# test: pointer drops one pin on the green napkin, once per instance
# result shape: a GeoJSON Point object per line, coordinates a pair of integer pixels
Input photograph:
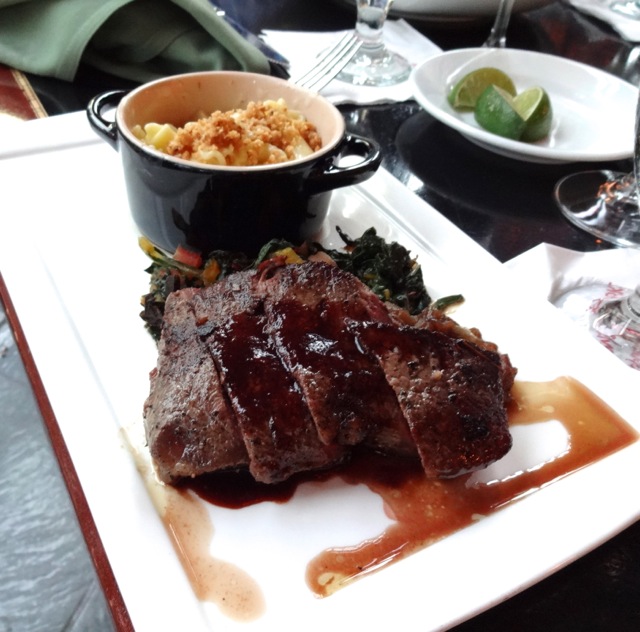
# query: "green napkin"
{"type": "Point", "coordinates": [138, 40]}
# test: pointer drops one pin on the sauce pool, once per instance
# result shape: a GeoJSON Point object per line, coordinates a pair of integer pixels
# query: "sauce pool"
{"type": "Point", "coordinates": [423, 510]}
{"type": "Point", "coordinates": [428, 510]}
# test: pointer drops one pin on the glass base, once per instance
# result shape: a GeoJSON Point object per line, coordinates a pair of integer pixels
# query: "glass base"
{"type": "Point", "coordinates": [616, 324]}
{"type": "Point", "coordinates": [379, 67]}
{"type": "Point", "coordinates": [611, 314]}
{"type": "Point", "coordinates": [602, 203]}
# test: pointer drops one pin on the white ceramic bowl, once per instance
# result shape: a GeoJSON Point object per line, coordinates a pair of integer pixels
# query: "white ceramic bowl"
{"type": "Point", "coordinates": [460, 8]}
{"type": "Point", "coordinates": [593, 111]}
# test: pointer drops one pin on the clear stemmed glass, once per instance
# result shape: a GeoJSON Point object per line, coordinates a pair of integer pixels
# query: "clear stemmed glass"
{"type": "Point", "coordinates": [607, 204]}
{"type": "Point", "coordinates": [374, 64]}
{"type": "Point", "coordinates": [610, 313]}
{"type": "Point", "coordinates": [616, 323]}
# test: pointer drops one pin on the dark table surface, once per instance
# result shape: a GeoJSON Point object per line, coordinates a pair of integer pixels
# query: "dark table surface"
{"type": "Point", "coordinates": [503, 204]}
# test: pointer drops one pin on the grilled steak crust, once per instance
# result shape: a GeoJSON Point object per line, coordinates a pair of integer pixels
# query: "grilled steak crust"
{"type": "Point", "coordinates": [190, 426]}
{"type": "Point", "coordinates": [450, 391]}
{"type": "Point", "coordinates": [285, 369]}
{"type": "Point", "coordinates": [436, 320]}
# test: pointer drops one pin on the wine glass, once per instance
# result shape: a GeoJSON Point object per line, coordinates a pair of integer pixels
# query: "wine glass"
{"type": "Point", "coordinates": [616, 324]}
{"type": "Point", "coordinates": [610, 313]}
{"type": "Point", "coordinates": [607, 204]}
{"type": "Point", "coordinates": [374, 64]}
{"type": "Point", "coordinates": [630, 8]}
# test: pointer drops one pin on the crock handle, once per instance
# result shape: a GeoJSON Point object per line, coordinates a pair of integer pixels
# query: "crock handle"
{"type": "Point", "coordinates": [106, 129]}
{"type": "Point", "coordinates": [332, 176]}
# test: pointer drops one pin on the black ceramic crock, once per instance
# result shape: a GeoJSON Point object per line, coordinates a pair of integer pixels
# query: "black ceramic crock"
{"type": "Point", "coordinates": [176, 202]}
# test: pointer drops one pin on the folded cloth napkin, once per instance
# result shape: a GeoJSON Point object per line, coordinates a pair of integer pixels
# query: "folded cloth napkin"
{"type": "Point", "coordinates": [303, 48]}
{"type": "Point", "coordinates": [139, 40]}
{"type": "Point", "coordinates": [627, 27]}
{"type": "Point", "coordinates": [550, 271]}
{"type": "Point", "coordinates": [578, 282]}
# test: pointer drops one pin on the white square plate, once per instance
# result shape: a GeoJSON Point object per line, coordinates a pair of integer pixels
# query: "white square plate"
{"type": "Point", "coordinates": [70, 260]}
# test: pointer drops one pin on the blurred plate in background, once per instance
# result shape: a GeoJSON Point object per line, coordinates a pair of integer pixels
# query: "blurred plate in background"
{"type": "Point", "coordinates": [593, 111]}
{"type": "Point", "coordinates": [460, 8]}
{"type": "Point", "coordinates": [453, 10]}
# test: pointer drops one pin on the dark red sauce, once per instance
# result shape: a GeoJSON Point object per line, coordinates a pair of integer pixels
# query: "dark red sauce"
{"type": "Point", "coordinates": [427, 510]}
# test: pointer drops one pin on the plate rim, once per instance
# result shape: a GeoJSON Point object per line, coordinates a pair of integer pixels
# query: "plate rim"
{"type": "Point", "coordinates": [459, 17]}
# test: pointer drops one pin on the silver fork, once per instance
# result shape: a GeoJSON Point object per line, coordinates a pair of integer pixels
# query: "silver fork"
{"type": "Point", "coordinates": [330, 63]}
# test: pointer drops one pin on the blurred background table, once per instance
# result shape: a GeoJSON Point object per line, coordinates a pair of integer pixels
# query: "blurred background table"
{"type": "Point", "coordinates": [504, 205]}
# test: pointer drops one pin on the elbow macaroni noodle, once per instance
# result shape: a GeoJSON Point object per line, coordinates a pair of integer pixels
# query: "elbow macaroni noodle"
{"type": "Point", "coordinates": [265, 132]}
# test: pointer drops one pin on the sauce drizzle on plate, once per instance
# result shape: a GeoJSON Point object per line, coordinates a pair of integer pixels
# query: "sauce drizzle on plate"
{"type": "Point", "coordinates": [424, 511]}
{"type": "Point", "coordinates": [428, 510]}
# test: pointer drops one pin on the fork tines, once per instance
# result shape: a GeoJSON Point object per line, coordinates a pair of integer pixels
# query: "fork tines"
{"type": "Point", "coordinates": [330, 63]}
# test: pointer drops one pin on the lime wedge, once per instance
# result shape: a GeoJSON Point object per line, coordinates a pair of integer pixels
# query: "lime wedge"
{"type": "Point", "coordinates": [495, 111]}
{"type": "Point", "coordinates": [534, 106]}
{"type": "Point", "coordinates": [465, 93]}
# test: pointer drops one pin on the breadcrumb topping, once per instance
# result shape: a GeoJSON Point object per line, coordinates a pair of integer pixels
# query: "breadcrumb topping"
{"type": "Point", "coordinates": [265, 132]}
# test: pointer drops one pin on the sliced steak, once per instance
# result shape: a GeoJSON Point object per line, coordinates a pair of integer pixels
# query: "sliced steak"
{"type": "Point", "coordinates": [347, 393]}
{"type": "Point", "coordinates": [437, 320]}
{"type": "Point", "coordinates": [285, 369]}
{"type": "Point", "coordinates": [450, 391]}
{"type": "Point", "coordinates": [277, 428]}
{"type": "Point", "coordinates": [190, 426]}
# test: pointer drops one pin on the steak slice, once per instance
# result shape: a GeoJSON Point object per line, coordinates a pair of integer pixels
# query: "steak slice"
{"type": "Point", "coordinates": [190, 426]}
{"type": "Point", "coordinates": [347, 393]}
{"type": "Point", "coordinates": [450, 391]}
{"type": "Point", "coordinates": [437, 320]}
{"type": "Point", "coordinates": [277, 428]}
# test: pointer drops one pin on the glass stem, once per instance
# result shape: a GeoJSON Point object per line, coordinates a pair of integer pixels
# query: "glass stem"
{"type": "Point", "coordinates": [374, 64]}
{"type": "Point", "coordinates": [630, 309]}
{"type": "Point", "coordinates": [617, 325]}
{"type": "Point", "coordinates": [369, 24]}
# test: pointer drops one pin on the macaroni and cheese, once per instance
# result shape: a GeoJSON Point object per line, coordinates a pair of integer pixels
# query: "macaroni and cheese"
{"type": "Point", "coordinates": [265, 132]}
